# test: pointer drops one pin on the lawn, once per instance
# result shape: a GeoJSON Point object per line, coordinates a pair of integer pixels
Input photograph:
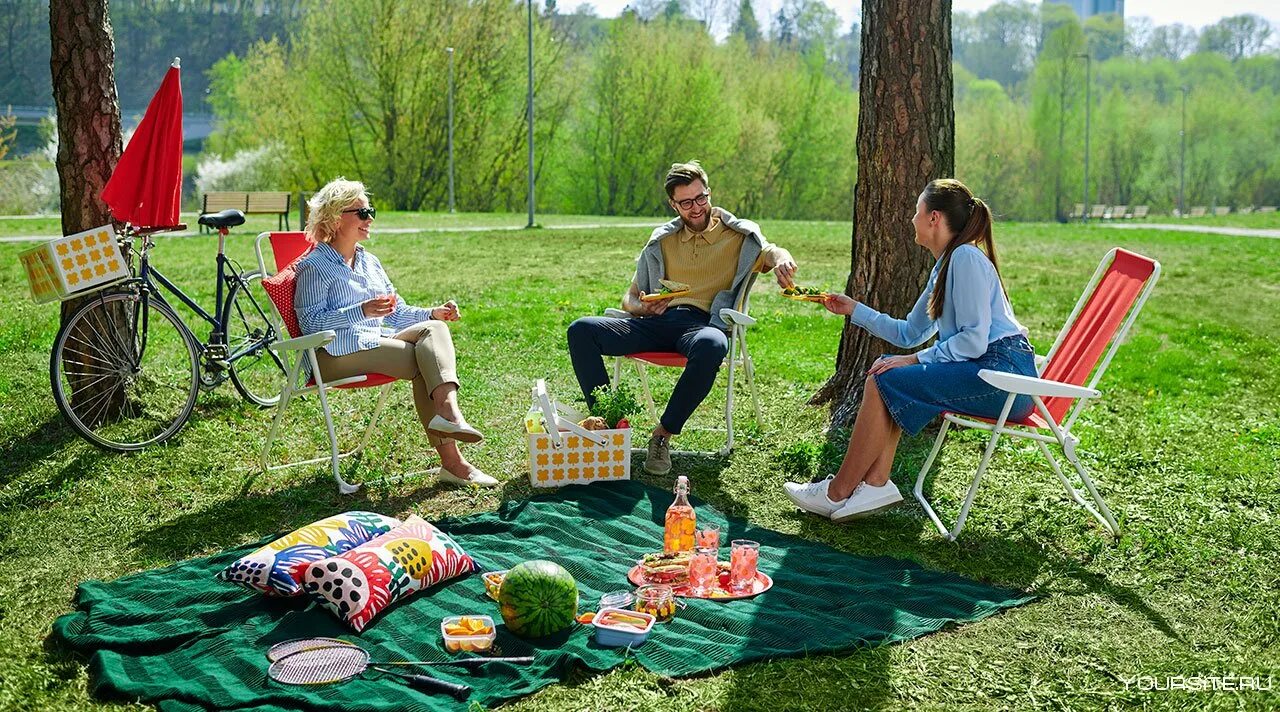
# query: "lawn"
{"type": "Point", "coordinates": [1185, 447]}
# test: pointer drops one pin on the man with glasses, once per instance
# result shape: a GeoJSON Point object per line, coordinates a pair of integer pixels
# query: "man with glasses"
{"type": "Point", "coordinates": [712, 252]}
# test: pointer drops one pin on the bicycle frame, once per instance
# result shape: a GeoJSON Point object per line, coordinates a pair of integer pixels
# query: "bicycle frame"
{"type": "Point", "coordinates": [148, 277]}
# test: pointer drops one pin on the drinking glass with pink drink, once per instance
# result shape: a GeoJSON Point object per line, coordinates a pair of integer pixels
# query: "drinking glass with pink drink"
{"type": "Point", "coordinates": [742, 565]}
{"type": "Point", "coordinates": [703, 574]}
{"type": "Point", "coordinates": [707, 536]}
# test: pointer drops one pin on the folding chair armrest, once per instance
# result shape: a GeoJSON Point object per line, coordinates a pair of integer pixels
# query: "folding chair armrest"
{"type": "Point", "coordinates": [302, 343]}
{"type": "Point", "coordinates": [616, 313]}
{"type": "Point", "coordinates": [733, 316]}
{"type": "Point", "coordinates": [1031, 386]}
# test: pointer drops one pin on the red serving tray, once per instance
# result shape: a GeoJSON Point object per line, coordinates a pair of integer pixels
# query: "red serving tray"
{"type": "Point", "coordinates": [763, 583]}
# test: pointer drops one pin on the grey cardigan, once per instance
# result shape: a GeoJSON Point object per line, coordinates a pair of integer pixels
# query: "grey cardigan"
{"type": "Point", "coordinates": [650, 267]}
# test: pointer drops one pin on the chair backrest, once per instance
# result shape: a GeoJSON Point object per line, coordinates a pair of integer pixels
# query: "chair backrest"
{"type": "Point", "coordinates": [286, 249]}
{"type": "Point", "coordinates": [1118, 289]}
{"type": "Point", "coordinates": [743, 302]}
{"type": "Point", "coordinates": [1140, 211]}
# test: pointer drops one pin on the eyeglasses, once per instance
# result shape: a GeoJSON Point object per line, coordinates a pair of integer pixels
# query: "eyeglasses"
{"type": "Point", "coordinates": [363, 213]}
{"type": "Point", "coordinates": [699, 200]}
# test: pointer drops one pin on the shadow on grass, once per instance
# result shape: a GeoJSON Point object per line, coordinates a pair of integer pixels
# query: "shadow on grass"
{"type": "Point", "coordinates": [28, 451]}
{"type": "Point", "coordinates": [252, 515]}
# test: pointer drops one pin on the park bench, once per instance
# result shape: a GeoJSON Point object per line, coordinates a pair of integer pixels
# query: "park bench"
{"type": "Point", "coordinates": [1140, 212]}
{"type": "Point", "coordinates": [1267, 209]}
{"type": "Point", "coordinates": [1098, 212]}
{"type": "Point", "coordinates": [1244, 209]}
{"type": "Point", "coordinates": [1077, 211]}
{"type": "Point", "coordinates": [252, 203]}
{"type": "Point", "coordinates": [1118, 212]}
{"type": "Point", "coordinates": [1197, 211]}
{"type": "Point", "coordinates": [1222, 210]}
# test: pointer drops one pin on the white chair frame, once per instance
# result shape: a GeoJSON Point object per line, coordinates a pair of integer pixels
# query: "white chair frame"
{"type": "Point", "coordinates": [739, 357]}
{"type": "Point", "coordinates": [1039, 388]}
{"type": "Point", "coordinates": [293, 351]}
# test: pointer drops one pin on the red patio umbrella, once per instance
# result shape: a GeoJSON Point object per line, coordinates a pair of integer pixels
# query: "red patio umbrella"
{"type": "Point", "coordinates": [145, 189]}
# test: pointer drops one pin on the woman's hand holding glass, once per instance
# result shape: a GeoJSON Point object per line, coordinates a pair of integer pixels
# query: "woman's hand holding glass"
{"type": "Point", "coordinates": [839, 304]}
{"type": "Point", "coordinates": [446, 312]}
{"type": "Point", "coordinates": [379, 306]}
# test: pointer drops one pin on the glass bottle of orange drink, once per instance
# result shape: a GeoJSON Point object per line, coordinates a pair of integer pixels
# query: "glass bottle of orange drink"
{"type": "Point", "coordinates": [681, 522]}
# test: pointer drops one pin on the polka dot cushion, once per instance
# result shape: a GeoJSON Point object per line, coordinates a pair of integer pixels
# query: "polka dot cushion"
{"type": "Point", "coordinates": [358, 585]}
{"type": "Point", "coordinates": [276, 569]}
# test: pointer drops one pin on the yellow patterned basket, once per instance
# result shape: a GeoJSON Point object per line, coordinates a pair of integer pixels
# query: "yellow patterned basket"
{"type": "Point", "coordinates": [568, 453]}
{"type": "Point", "coordinates": [68, 266]}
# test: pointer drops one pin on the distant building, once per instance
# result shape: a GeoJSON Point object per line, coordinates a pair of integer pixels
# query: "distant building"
{"type": "Point", "coordinates": [1089, 8]}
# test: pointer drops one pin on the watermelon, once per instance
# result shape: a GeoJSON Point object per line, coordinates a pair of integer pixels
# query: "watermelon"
{"type": "Point", "coordinates": [538, 598]}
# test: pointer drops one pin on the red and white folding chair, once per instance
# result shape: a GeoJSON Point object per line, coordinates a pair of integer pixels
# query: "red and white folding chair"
{"type": "Point", "coordinates": [1094, 331]}
{"type": "Point", "coordinates": [737, 358]}
{"type": "Point", "coordinates": [287, 248]}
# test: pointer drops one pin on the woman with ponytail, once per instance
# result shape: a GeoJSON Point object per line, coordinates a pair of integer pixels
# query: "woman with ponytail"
{"type": "Point", "coordinates": [965, 304]}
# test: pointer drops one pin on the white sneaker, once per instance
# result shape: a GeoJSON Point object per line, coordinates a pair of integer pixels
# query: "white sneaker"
{"type": "Point", "coordinates": [475, 477]}
{"type": "Point", "coordinates": [868, 499]}
{"type": "Point", "coordinates": [812, 497]}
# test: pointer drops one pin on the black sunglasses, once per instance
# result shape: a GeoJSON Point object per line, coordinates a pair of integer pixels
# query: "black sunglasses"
{"type": "Point", "coordinates": [363, 213]}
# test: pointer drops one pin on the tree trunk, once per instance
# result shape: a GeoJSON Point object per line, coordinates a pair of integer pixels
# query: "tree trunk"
{"type": "Point", "coordinates": [906, 138]}
{"type": "Point", "coordinates": [82, 52]}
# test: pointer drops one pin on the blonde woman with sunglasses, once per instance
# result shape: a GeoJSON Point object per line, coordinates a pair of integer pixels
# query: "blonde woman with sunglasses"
{"type": "Point", "coordinates": [342, 286]}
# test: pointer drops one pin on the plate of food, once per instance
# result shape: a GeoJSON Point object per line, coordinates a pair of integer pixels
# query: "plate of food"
{"type": "Point", "coordinates": [649, 571]}
{"type": "Point", "coordinates": [804, 294]}
{"type": "Point", "coordinates": [670, 290]}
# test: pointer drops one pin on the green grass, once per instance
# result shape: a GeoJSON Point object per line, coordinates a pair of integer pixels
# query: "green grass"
{"type": "Point", "coordinates": [1185, 446]}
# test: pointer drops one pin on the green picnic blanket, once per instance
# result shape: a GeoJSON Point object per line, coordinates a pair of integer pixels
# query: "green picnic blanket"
{"type": "Point", "coordinates": [177, 638]}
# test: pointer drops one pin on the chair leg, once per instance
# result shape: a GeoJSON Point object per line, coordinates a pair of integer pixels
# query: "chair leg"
{"type": "Point", "coordinates": [728, 396]}
{"type": "Point", "coordinates": [977, 476]}
{"type": "Point", "coordinates": [285, 397]}
{"type": "Point", "coordinates": [749, 372]}
{"type": "Point", "coordinates": [1102, 513]}
{"type": "Point", "coordinates": [617, 372]}
{"type": "Point", "coordinates": [648, 394]}
{"type": "Point", "coordinates": [373, 421]}
{"type": "Point", "coordinates": [344, 487]}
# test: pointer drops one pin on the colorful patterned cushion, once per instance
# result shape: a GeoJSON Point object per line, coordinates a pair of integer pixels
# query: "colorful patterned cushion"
{"type": "Point", "coordinates": [360, 584]}
{"type": "Point", "coordinates": [276, 569]}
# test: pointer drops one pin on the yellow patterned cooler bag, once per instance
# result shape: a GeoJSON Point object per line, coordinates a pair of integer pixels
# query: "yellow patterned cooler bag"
{"type": "Point", "coordinates": [67, 266]}
{"type": "Point", "coordinates": [568, 453]}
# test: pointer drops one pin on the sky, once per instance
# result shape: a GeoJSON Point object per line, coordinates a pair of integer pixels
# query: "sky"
{"type": "Point", "coordinates": [1196, 13]}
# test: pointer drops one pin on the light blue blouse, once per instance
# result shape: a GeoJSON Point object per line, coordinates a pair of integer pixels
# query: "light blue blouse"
{"type": "Point", "coordinates": [330, 295]}
{"type": "Point", "coordinates": [975, 313]}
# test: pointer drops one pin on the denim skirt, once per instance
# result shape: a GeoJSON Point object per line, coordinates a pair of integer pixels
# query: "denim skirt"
{"type": "Point", "coordinates": [918, 393]}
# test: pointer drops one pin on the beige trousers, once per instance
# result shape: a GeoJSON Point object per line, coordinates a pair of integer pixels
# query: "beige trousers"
{"type": "Point", "coordinates": [422, 353]}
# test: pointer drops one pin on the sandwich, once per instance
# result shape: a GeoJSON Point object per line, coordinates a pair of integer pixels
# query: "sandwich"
{"type": "Point", "coordinates": [661, 567]}
{"type": "Point", "coordinates": [671, 286]}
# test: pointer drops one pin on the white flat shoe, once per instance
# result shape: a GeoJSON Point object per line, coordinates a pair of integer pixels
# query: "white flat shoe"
{"type": "Point", "coordinates": [475, 477]}
{"type": "Point", "coordinates": [449, 430]}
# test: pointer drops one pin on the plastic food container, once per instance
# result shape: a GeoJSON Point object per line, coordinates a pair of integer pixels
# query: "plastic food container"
{"type": "Point", "coordinates": [617, 628]}
{"type": "Point", "coordinates": [468, 643]}
{"type": "Point", "coordinates": [492, 582]}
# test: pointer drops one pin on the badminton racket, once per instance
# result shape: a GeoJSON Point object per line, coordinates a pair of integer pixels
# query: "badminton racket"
{"type": "Point", "coordinates": [288, 647]}
{"type": "Point", "coordinates": [339, 663]}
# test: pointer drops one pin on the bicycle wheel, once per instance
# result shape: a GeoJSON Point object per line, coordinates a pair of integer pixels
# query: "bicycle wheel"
{"type": "Point", "coordinates": [125, 372]}
{"type": "Point", "coordinates": [256, 371]}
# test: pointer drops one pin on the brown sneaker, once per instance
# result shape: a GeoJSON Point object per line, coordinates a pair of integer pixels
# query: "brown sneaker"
{"type": "Point", "coordinates": [658, 461]}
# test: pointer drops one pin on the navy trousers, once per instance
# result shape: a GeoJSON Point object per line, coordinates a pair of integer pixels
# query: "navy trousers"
{"type": "Point", "coordinates": [683, 329]}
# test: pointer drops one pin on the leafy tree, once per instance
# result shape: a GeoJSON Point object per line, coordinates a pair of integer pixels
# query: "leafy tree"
{"type": "Point", "coordinates": [1236, 37]}
{"type": "Point", "coordinates": [1171, 42]}
{"type": "Point", "coordinates": [746, 26]}
{"type": "Point", "coordinates": [1057, 112]}
{"type": "Point", "coordinates": [999, 42]}
{"type": "Point", "coordinates": [993, 145]}
{"type": "Point", "coordinates": [1105, 36]}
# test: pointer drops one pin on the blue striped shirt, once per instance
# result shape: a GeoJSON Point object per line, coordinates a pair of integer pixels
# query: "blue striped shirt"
{"type": "Point", "coordinates": [975, 313]}
{"type": "Point", "coordinates": [330, 295]}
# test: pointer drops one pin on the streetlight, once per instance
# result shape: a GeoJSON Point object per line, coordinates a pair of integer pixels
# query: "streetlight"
{"type": "Point", "coordinates": [451, 203]}
{"type": "Point", "coordinates": [529, 111]}
{"type": "Point", "coordinates": [1182, 160]}
{"type": "Point", "coordinates": [1087, 64]}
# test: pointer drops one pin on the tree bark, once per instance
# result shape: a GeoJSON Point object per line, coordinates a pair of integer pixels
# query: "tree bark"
{"type": "Point", "coordinates": [82, 54]}
{"type": "Point", "coordinates": [906, 138]}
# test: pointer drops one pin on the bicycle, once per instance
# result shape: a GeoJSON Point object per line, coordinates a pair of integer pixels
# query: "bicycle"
{"type": "Point", "coordinates": [126, 370]}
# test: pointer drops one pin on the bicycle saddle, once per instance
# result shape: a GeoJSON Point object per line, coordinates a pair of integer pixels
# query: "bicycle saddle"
{"type": "Point", "coordinates": [226, 218]}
